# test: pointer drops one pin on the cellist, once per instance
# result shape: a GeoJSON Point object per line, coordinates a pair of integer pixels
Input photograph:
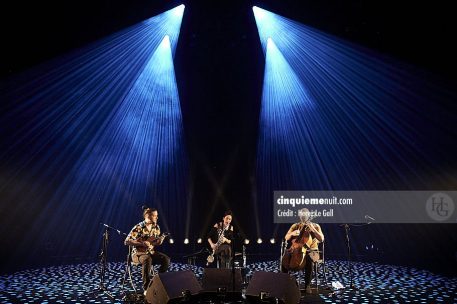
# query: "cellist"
{"type": "Point", "coordinates": [304, 237]}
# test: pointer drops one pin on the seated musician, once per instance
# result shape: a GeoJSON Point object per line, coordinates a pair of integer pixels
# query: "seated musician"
{"type": "Point", "coordinates": [220, 238]}
{"type": "Point", "coordinates": [305, 237]}
{"type": "Point", "coordinates": [144, 237]}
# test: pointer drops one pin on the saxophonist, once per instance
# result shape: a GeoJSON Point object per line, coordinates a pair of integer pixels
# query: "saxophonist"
{"type": "Point", "coordinates": [220, 238]}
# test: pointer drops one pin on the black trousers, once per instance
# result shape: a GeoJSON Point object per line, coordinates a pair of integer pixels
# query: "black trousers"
{"type": "Point", "coordinates": [225, 253]}
{"type": "Point", "coordinates": [308, 270]}
{"type": "Point", "coordinates": [147, 260]}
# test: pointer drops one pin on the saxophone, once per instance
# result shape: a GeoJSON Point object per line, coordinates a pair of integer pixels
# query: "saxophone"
{"type": "Point", "coordinates": [220, 240]}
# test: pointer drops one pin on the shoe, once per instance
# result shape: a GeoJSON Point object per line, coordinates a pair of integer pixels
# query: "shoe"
{"type": "Point", "coordinates": [308, 289]}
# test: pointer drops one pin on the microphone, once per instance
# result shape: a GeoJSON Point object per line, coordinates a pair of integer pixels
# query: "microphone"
{"type": "Point", "coordinates": [107, 226]}
{"type": "Point", "coordinates": [367, 217]}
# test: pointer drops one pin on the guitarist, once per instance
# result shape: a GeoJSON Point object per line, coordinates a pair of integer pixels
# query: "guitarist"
{"type": "Point", "coordinates": [144, 237]}
{"type": "Point", "coordinates": [311, 234]}
{"type": "Point", "coordinates": [223, 232]}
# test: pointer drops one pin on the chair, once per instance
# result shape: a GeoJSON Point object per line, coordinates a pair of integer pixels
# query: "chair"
{"type": "Point", "coordinates": [153, 272]}
{"type": "Point", "coordinates": [318, 257]}
{"type": "Point", "coordinates": [319, 262]}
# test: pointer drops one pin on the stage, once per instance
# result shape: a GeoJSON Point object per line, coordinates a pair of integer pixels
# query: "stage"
{"type": "Point", "coordinates": [233, 116]}
{"type": "Point", "coordinates": [375, 283]}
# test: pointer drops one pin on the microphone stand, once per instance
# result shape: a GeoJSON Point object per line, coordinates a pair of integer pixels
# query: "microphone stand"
{"type": "Point", "coordinates": [348, 244]}
{"type": "Point", "coordinates": [346, 230]}
{"type": "Point", "coordinates": [233, 263]}
{"type": "Point", "coordinates": [104, 258]}
{"type": "Point", "coordinates": [283, 251]}
{"type": "Point", "coordinates": [236, 236]}
{"type": "Point", "coordinates": [103, 262]}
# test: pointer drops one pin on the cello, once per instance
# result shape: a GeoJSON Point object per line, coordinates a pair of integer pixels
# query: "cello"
{"type": "Point", "coordinates": [294, 257]}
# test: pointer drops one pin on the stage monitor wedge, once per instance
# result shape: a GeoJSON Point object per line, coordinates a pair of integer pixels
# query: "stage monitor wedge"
{"type": "Point", "coordinates": [169, 287]}
{"type": "Point", "coordinates": [274, 285]}
{"type": "Point", "coordinates": [215, 279]}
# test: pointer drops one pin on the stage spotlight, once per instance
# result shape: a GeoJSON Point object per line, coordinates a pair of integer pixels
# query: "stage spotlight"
{"type": "Point", "coordinates": [267, 25]}
{"type": "Point", "coordinates": [259, 241]}
{"type": "Point", "coordinates": [199, 240]}
{"type": "Point", "coordinates": [171, 241]}
{"type": "Point", "coordinates": [186, 241]}
{"type": "Point", "coordinates": [258, 13]}
{"type": "Point", "coordinates": [272, 241]}
{"type": "Point", "coordinates": [179, 10]}
{"type": "Point", "coordinates": [246, 241]}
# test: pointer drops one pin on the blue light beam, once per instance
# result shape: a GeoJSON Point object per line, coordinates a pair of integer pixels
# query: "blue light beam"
{"type": "Point", "coordinates": [367, 118]}
{"type": "Point", "coordinates": [137, 157]}
{"type": "Point", "coordinates": [337, 116]}
{"type": "Point", "coordinates": [169, 23]}
{"type": "Point", "coordinates": [92, 136]}
{"type": "Point", "coordinates": [285, 143]}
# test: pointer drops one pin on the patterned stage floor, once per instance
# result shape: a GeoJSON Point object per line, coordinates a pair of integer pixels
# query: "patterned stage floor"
{"type": "Point", "coordinates": [374, 283]}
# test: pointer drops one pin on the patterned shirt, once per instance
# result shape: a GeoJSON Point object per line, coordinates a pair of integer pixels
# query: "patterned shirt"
{"type": "Point", "coordinates": [141, 232]}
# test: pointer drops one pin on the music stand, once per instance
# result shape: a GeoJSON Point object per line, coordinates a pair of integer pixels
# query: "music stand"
{"type": "Point", "coordinates": [191, 258]}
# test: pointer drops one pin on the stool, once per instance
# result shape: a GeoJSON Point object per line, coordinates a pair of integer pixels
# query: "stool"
{"type": "Point", "coordinates": [152, 273]}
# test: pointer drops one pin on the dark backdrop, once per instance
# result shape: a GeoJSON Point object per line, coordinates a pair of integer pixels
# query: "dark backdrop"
{"type": "Point", "coordinates": [219, 70]}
